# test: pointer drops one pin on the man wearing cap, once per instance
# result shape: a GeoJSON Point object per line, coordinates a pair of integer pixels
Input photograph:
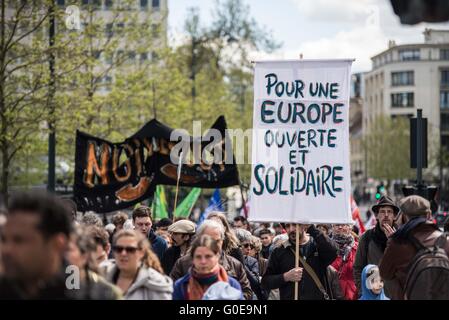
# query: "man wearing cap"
{"type": "Point", "coordinates": [400, 251]}
{"type": "Point", "coordinates": [181, 233]}
{"type": "Point", "coordinates": [373, 242]}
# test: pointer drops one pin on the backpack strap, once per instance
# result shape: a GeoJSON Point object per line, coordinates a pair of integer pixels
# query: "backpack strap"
{"type": "Point", "coordinates": [314, 277]}
{"type": "Point", "coordinates": [441, 241]}
{"type": "Point", "coordinates": [312, 274]}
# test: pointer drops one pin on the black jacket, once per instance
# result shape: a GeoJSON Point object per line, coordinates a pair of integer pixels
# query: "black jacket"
{"type": "Point", "coordinates": [169, 258]}
{"type": "Point", "coordinates": [158, 244]}
{"type": "Point", "coordinates": [319, 252]}
{"type": "Point", "coordinates": [253, 274]}
{"type": "Point", "coordinates": [266, 251]}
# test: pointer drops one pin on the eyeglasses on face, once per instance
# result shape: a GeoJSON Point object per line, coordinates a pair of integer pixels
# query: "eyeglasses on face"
{"type": "Point", "coordinates": [247, 245]}
{"type": "Point", "coordinates": [129, 250]}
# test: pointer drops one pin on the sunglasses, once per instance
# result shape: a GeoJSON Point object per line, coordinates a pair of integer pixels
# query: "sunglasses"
{"type": "Point", "coordinates": [247, 245]}
{"type": "Point", "coordinates": [129, 250]}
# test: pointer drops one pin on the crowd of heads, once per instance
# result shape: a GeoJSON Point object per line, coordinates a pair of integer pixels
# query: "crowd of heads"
{"type": "Point", "coordinates": [41, 235]}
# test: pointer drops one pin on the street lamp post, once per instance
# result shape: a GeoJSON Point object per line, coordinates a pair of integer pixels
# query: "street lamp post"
{"type": "Point", "coordinates": [51, 123]}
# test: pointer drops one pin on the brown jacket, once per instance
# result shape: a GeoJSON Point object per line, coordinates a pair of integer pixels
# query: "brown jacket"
{"type": "Point", "coordinates": [397, 256]}
{"type": "Point", "coordinates": [233, 267]}
{"type": "Point", "coordinates": [364, 257]}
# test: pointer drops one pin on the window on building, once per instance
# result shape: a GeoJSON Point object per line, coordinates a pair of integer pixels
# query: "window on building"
{"type": "Point", "coordinates": [444, 99]}
{"type": "Point", "coordinates": [108, 4]}
{"type": "Point", "coordinates": [120, 27]}
{"type": "Point", "coordinates": [402, 78]}
{"type": "Point", "coordinates": [143, 56]}
{"type": "Point", "coordinates": [96, 54]}
{"type": "Point", "coordinates": [398, 117]}
{"type": "Point", "coordinates": [144, 4]}
{"type": "Point", "coordinates": [61, 2]}
{"type": "Point", "coordinates": [107, 81]}
{"type": "Point", "coordinates": [108, 30]}
{"type": "Point", "coordinates": [409, 54]}
{"type": "Point", "coordinates": [131, 56]}
{"type": "Point", "coordinates": [444, 78]}
{"type": "Point", "coordinates": [155, 30]}
{"type": "Point", "coordinates": [402, 100]}
{"type": "Point", "coordinates": [155, 4]}
{"type": "Point", "coordinates": [444, 121]}
{"type": "Point", "coordinates": [444, 54]}
{"type": "Point", "coordinates": [445, 142]}
{"type": "Point", "coordinates": [120, 56]}
{"type": "Point", "coordinates": [108, 58]}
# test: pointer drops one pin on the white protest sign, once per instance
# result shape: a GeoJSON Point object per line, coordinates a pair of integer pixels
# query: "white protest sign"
{"type": "Point", "coordinates": [300, 148]}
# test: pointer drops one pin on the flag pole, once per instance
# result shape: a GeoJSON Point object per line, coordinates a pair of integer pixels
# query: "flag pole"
{"type": "Point", "coordinates": [245, 210]}
{"type": "Point", "coordinates": [297, 242]}
{"type": "Point", "coordinates": [177, 181]}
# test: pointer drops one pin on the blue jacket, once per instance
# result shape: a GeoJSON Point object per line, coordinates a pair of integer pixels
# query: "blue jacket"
{"type": "Point", "coordinates": [180, 287]}
{"type": "Point", "coordinates": [367, 294]}
{"type": "Point", "coordinates": [158, 244]}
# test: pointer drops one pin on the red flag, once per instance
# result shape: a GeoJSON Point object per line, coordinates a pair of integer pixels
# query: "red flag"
{"type": "Point", "coordinates": [356, 215]}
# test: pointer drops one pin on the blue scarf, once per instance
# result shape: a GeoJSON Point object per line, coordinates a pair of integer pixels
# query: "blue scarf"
{"type": "Point", "coordinates": [403, 232]}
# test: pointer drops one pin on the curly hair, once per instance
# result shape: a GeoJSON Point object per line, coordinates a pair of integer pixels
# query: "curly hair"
{"type": "Point", "coordinates": [257, 243]}
{"type": "Point", "coordinates": [92, 219]}
{"type": "Point", "coordinates": [119, 218]}
{"type": "Point", "coordinates": [150, 259]}
{"type": "Point", "coordinates": [83, 239]}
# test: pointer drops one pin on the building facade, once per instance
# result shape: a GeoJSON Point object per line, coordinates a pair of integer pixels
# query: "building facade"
{"type": "Point", "coordinates": [408, 77]}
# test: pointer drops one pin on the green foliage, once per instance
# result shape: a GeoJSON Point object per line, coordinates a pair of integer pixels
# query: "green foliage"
{"type": "Point", "coordinates": [105, 88]}
{"type": "Point", "coordinates": [387, 146]}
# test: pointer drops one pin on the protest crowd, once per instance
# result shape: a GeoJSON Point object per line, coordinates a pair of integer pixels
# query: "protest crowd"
{"type": "Point", "coordinates": [48, 252]}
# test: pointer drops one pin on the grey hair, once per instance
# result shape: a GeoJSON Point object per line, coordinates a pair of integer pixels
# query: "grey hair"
{"type": "Point", "coordinates": [212, 224]}
{"type": "Point", "coordinates": [91, 218]}
{"type": "Point", "coordinates": [279, 239]}
{"type": "Point", "coordinates": [257, 243]}
{"type": "Point", "coordinates": [243, 235]}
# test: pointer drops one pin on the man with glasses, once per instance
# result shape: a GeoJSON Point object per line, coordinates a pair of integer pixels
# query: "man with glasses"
{"type": "Point", "coordinates": [143, 223]}
{"type": "Point", "coordinates": [373, 242]}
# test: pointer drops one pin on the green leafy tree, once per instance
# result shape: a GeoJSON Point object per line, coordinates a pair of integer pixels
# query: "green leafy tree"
{"type": "Point", "coordinates": [387, 145]}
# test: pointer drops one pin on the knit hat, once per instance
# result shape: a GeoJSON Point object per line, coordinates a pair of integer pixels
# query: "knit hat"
{"type": "Point", "coordinates": [415, 206]}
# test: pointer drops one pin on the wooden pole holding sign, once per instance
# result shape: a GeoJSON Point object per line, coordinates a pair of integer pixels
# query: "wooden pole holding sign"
{"type": "Point", "coordinates": [297, 261]}
{"type": "Point", "coordinates": [297, 245]}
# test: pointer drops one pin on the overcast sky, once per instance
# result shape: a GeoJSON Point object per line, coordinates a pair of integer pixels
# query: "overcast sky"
{"type": "Point", "coordinates": [317, 28]}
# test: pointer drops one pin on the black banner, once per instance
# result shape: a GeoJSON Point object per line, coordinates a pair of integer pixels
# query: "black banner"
{"type": "Point", "coordinates": [113, 176]}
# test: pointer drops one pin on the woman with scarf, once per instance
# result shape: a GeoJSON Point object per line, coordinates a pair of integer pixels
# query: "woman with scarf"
{"type": "Point", "coordinates": [206, 274]}
{"type": "Point", "coordinates": [347, 248]}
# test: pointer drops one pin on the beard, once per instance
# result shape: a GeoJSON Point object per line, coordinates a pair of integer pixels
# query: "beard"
{"type": "Point", "coordinates": [292, 236]}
